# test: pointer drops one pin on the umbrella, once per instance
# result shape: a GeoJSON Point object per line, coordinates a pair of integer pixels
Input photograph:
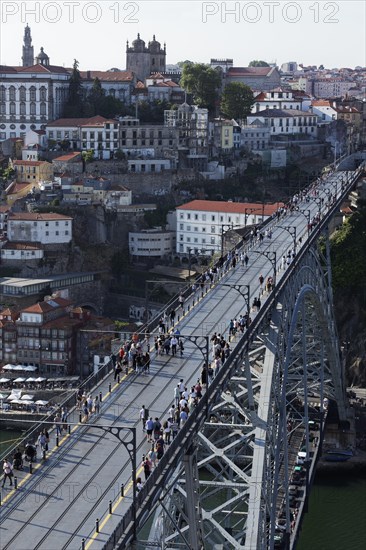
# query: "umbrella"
{"type": "Point", "coordinates": [41, 402]}
{"type": "Point", "coordinates": [4, 380]}
{"type": "Point", "coordinates": [29, 368]}
{"type": "Point", "coordinates": [15, 401]}
{"type": "Point", "coordinates": [31, 379]}
{"type": "Point", "coordinates": [18, 367]}
{"type": "Point", "coordinates": [20, 379]}
{"type": "Point", "coordinates": [27, 397]}
{"type": "Point", "coordinates": [40, 379]}
{"type": "Point", "coordinates": [26, 402]}
{"type": "Point", "coordinates": [2, 396]}
{"type": "Point", "coordinates": [8, 367]}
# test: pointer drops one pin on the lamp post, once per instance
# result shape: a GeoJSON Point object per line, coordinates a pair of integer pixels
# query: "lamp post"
{"type": "Point", "coordinates": [223, 225]}
{"type": "Point", "coordinates": [245, 295]}
{"type": "Point", "coordinates": [307, 214]}
{"type": "Point", "coordinates": [319, 202]}
{"type": "Point", "coordinates": [292, 230]}
{"type": "Point", "coordinates": [202, 344]}
{"type": "Point", "coordinates": [150, 282]}
{"type": "Point", "coordinates": [272, 257]}
{"type": "Point", "coordinates": [250, 211]}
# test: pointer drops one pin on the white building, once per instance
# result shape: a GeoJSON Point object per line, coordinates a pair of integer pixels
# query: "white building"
{"type": "Point", "coordinates": [324, 109]}
{"type": "Point", "coordinates": [30, 97]}
{"type": "Point", "coordinates": [286, 121]}
{"type": "Point", "coordinates": [149, 165]}
{"type": "Point", "coordinates": [281, 98]}
{"type": "Point", "coordinates": [201, 224]}
{"type": "Point", "coordinates": [255, 136]}
{"type": "Point", "coordinates": [15, 252]}
{"type": "Point", "coordinates": [151, 243]}
{"type": "Point", "coordinates": [46, 228]}
{"type": "Point", "coordinates": [96, 133]}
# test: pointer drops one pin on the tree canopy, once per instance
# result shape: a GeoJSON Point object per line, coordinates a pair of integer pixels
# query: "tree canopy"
{"type": "Point", "coordinates": [74, 105]}
{"type": "Point", "coordinates": [258, 63]}
{"type": "Point", "coordinates": [236, 100]}
{"type": "Point", "coordinates": [203, 83]}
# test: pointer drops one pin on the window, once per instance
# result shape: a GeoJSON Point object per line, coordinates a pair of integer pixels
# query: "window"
{"type": "Point", "coordinates": [181, 226]}
{"type": "Point", "coordinates": [204, 217]}
{"type": "Point", "coordinates": [188, 216]}
{"type": "Point", "coordinates": [212, 218]}
{"type": "Point", "coordinates": [213, 229]}
{"type": "Point", "coordinates": [196, 216]}
{"type": "Point", "coordinates": [188, 227]}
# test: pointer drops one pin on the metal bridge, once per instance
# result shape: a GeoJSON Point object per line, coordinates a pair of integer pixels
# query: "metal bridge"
{"type": "Point", "coordinates": [227, 480]}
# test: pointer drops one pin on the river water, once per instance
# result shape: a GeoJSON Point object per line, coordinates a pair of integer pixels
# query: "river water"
{"type": "Point", "coordinates": [336, 519]}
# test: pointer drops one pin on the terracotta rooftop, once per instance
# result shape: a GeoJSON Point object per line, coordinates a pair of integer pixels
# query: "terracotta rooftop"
{"type": "Point", "coordinates": [110, 76]}
{"type": "Point", "coordinates": [30, 162]}
{"type": "Point", "coordinates": [34, 216]}
{"type": "Point", "coordinates": [69, 157]}
{"type": "Point", "coordinates": [70, 122]}
{"type": "Point", "coordinates": [231, 207]}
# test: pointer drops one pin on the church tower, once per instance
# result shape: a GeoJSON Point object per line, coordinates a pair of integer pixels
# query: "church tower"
{"type": "Point", "coordinates": [28, 53]}
{"type": "Point", "coordinates": [144, 60]}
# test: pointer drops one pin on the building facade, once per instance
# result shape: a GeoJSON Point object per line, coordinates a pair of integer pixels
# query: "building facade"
{"type": "Point", "coordinates": [201, 224]}
{"type": "Point", "coordinates": [286, 121]}
{"type": "Point", "coordinates": [45, 228]}
{"type": "Point", "coordinates": [151, 243]}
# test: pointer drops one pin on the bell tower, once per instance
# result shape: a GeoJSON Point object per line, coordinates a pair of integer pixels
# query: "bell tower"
{"type": "Point", "coordinates": [28, 53]}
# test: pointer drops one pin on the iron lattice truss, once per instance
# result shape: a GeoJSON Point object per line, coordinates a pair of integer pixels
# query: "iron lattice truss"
{"type": "Point", "coordinates": [231, 488]}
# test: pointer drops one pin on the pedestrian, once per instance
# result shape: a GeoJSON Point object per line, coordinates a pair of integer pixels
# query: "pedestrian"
{"type": "Point", "coordinates": [181, 347]}
{"type": "Point", "coordinates": [58, 426]}
{"type": "Point", "coordinates": [144, 415]}
{"type": "Point", "coordinates": [117, 370]}
{"type": "Point", "coordinates": [42, 441]}
{"type": "Point", "coordinates": [8, 471]}
{"type": "Point", "coordinates": [157, 428]}
{"type": "Point", "coordinates": [149, 426]}
{"type": "Point", "coordinates": [172, 316]}
{"type": "Point", "coordinates": [146, 361]}
{"type": "Point", "coordinates": [152, 456]}
{"type": "Point", "coordinates": [167, 432]}
{"type": "Point", "coordinates": [96, 405]}
{"type": "Point", "coordinates": [261, 281]}
{"type": "Point", "coordinates": [174, 343]}
{"type": "Point", "coordinates": [146, 464]}
{"type": "Point", "coordinates": [139, 484]}
{"type": "Point", "coordinates": [176, 395]}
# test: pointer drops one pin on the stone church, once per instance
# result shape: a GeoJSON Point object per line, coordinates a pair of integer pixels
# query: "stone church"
{"type": "Point", "coordinates": [144, 60]}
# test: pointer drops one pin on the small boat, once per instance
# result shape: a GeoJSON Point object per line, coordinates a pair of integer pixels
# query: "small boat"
{"type": "Point", "coordinates": [336, 457]}
{"type": "Point", "coordinates": [345, 452]}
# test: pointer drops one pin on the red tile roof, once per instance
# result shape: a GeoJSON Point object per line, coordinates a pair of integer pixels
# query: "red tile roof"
{"type": "Point", "coordinates": [108, 76]}
{"type": "Point", "coordinates": [30, 162]}
{"type": "Point", "coordinates": [34, 216]}
{"type": "Point", "coordinates": [67, 122]}
{"type": "Point", "coordinates": [231, 207]}
{"type": "Point", "coordinates": [69, 157]}
{"type": "Point", "coordinates": [21, 246]}
{"type": "Point", "coordinates": [43, 69]}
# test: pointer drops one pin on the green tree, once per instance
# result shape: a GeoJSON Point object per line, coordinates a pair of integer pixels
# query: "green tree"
{"type": "Point", "coordinates": [258, 63]}
{"type": "Point", "coordinates": [203, 82]}
{"type": "Point", "coordinates": [74, 105]}
{"type": "Point", "coordinates": [88, 156]}
{"type": "Point", "coordinates": [237, 100]}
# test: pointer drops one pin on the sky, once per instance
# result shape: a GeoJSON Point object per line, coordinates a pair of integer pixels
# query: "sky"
{"type": "Point", "coordinates": [95, 32]}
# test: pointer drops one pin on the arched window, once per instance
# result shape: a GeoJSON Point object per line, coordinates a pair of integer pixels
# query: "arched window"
{"type": "Point", "coordinates": [43, 93]}
{"type": "Point", "coordinates": [32, 108]}
{"type": "Point", "coordinates": [2, 93]}
{"type": "Point", "coordinates": [32, 93]}
{"type": "Point", "coordinates": [22, 108]}
{"type": "Point", "coordinates": [22, 93]}
{"type": "Point", "coordinates": [12, 108]}
{"type": "Point", "coordinates": [43, 109]}
{"type": "Point", "coordinates": [12, 93]}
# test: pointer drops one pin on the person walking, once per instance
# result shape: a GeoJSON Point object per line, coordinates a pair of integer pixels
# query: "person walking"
{"type": "Point", "coordinates": [58, 425]}
{"type": "Point", "coordinates": [8, 471]}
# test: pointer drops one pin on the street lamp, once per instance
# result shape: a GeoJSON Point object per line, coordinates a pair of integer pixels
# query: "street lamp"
{"type": "Point", "coordinates": [272, 257]}
{"type": "Point", "coordinates": [250, 211]}
{"type": "Point", "coordinates": [246, 294]}
{"type": "Point", "coordinates": [292, 230]}
{"type": "Point", "coordinates": [202, 344]}
{"type": "Point", "coordinates": [223, 225]}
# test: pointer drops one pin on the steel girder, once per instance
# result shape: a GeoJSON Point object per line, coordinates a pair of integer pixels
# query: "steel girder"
{"type": "Point", "coordinates": [257, 423]}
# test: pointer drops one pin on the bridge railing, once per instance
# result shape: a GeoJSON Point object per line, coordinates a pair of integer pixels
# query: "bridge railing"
{"type": "Point", "coordinates": [158, 480]}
